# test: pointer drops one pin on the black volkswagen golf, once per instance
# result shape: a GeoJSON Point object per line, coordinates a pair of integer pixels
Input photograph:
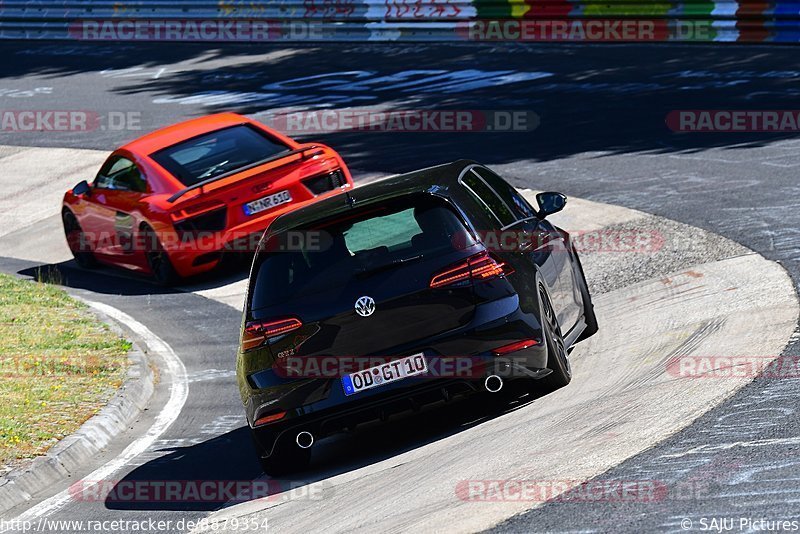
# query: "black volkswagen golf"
{"type": "Point", "coordinates": [404, 292]}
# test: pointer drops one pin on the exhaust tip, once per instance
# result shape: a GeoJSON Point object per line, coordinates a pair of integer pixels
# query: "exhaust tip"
{"type": "Point", "coordinates": [304, 439]}
{"type": "Point", "coordinates": [493, 383]}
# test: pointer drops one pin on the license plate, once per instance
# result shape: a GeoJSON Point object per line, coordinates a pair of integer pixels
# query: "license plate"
{"type": "Point", "coordinates": [384, 373]}
{"type": "Point", "coordinates": [267, 202]}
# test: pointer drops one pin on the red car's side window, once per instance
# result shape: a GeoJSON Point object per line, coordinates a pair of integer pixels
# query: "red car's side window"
{"type": "Point", "coordinates": [119, 173]}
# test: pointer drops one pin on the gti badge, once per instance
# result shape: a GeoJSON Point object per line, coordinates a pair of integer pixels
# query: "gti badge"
{"type": "Point", "coordinates": [365, 306]}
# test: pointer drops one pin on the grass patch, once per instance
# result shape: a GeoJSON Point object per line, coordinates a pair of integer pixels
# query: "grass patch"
{"type": "Point", "coordinates": [58, 366]}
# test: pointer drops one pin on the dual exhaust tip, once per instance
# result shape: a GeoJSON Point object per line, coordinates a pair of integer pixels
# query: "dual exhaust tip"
{"type": "Point", "coordinates": [305, 439]}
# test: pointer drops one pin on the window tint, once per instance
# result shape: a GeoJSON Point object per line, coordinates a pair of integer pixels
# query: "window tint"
{"type": "Point", "coordinates": [121, 174]}
{"type": "Point", "coordinates": [507, 193]}
{"type": "Point", "coordinates": [487, 198]}
{"type": "Point", "coordinates": [391, 231]}
{"type": "Point", "coordinates": [374, 242]}
{"type": "Point", "coordinates": [216, 153]}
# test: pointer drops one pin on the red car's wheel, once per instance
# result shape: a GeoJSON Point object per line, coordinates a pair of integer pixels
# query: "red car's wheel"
{"type": "Point", "coordinates": [77, 242]}
{"type": "Point", "coordinates": [158, 259]}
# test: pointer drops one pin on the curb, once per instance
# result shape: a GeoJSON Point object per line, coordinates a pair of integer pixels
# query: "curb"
{"type": "Point", "coordinates": [72, 452]}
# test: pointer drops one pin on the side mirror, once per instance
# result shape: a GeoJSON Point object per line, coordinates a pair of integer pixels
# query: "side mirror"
{"type": "Point", "coordinates": [550, 202]}
{"type": "Point", "coordinates": [82, 188]}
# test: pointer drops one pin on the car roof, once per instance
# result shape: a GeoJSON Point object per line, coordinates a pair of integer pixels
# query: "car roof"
{"type": "Point", "coordinates": [182, 131]}
{"type": "Point", "coordinates": [439, 180]}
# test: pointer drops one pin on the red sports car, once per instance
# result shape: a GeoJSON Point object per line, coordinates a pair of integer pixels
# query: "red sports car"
{"type": "Point", "coordinates": [174, 201]}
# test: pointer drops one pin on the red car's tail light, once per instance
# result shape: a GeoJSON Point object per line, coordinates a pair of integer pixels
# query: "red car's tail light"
{"type": "Point", "coordinates": [208, 222]}
{"type": "Point", "coordinates": [514, 347]}
{"type": "Point", "coordinates": [479, 267]}
{"type": "Point", "coordinates": [270, 418]}
{"type": "Point", "coordinates": [196, 209]}
{"type": "Point", "coordinates": [325, 182]}
{"type": "Point", "coordinates": [257, 332]}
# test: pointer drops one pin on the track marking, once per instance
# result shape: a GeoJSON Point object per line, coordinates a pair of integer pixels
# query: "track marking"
{"type": "Point", "coordinates": [178, 392]}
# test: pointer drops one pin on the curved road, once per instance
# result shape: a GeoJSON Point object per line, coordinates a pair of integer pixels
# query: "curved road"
{"type": "Point", "coordinates": [600, 134]}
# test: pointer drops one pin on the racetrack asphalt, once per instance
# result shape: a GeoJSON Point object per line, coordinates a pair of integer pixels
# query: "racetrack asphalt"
{"type": "Point", "coordinates": [601, 136]}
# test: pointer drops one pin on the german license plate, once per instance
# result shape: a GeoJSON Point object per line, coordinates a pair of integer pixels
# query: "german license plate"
{"type": "Point", "coordinates": [384, 373]}
{"type": "Point", "coordinates": [265, 203]}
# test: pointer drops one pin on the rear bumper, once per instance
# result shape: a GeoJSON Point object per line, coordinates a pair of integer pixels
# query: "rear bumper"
{"type": "Point", "coordinates": [320, 406]}
{"type": "Point", "coordinates": [194, 256]}
{"type": "Point", "coordinates": [326, 422]}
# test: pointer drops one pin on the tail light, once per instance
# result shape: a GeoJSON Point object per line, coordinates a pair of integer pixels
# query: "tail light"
{"type": "Point", "coordinates": [257, 332]}
{"type": "Point", "coordinates": [277, 416]}
{"type": "Point", "coordinates": [325, 182]}
{"type": "Point", "coordinates": [196, 209]}
{"type": "Point", "coordinates": [194, 221]}
{"type": "Point", "coordinates": [514, 347]}
{"type": "Point", "coordinates": [476, 268]}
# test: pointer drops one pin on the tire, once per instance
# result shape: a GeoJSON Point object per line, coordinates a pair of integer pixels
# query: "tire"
{"type": "Point", "coordinates": [286, 458]}
{"type": "Point", "coordinates": [557, 357]}
{"type": "Point", "coordinates": [76, 241]}
{"type": "Point", "coordinates": [158, 260]}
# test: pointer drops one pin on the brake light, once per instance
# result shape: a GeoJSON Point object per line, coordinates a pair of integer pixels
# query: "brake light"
{"type": "Point", "coordinates": [514, 347]}
{"type": "Point", "coordinates": [476, 268]}
{"type": "Point", "coordinates": [208, 222]}
{"type": "Point", "coordinates": [257, 332]}
{"type": "Point", "coordinates": [196, 209]}
{"type": "Point", "coordinates": [270, 418]}
{"type": "Point", "coordinates": [325, 182]}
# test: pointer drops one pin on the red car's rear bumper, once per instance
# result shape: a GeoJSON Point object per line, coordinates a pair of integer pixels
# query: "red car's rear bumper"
{"type": "Point", "coordinates": [192, 256]}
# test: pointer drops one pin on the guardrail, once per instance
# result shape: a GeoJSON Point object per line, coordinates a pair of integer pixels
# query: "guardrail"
{"type": "Point", "coordinates": [404, 20]}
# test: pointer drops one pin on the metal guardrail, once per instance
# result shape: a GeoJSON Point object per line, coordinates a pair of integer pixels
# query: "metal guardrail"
{"type": "Point", "coordinates": [406, 20]}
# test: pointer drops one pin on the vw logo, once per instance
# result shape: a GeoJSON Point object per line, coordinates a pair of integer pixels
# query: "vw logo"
{"type": "Point", "coordinates": [365, 306]}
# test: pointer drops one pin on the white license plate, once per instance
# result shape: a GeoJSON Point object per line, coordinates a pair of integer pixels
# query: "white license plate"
{"type": "Point", "coordinates": [267, 202]}
{"type": "Point", "coordinates": [384, 373]}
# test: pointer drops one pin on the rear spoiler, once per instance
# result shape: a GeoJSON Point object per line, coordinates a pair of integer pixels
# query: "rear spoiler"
{"type": "Point", "coordinates": [276, 157]}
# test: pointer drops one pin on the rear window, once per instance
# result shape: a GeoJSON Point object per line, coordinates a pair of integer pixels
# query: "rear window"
{"type": "Point", "coordinates": [217, 153]}
{"type": "Point", "coordinates": [341, 252]}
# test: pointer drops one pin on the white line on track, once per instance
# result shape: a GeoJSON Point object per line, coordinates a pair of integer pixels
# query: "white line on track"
{"type": "Point", "coordinates": [178, 392]}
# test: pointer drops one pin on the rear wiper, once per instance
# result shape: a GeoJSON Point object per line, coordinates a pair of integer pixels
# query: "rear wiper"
{"type": "Point", "coordinates": [391, 265]}
{"type": "Point", "coordinates": [214, 168]}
